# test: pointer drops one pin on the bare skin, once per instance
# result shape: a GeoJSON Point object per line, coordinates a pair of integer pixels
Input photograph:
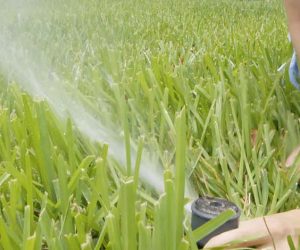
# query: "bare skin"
{"type": "Point", "coordinates": [271, 232]}
{"type": "Point", "coordinates": [293, 15]}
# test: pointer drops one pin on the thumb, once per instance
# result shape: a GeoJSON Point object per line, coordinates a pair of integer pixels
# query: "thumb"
{"type": "Point", "coordinates": [249, 233]}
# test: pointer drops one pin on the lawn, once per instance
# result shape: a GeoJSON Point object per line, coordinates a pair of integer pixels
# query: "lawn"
{"type": "Point", "coordinates": [114, 114]}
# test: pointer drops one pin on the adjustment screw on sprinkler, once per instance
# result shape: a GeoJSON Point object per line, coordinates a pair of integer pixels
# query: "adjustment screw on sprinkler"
{"type": "Point", "coordinates": [207, 208]}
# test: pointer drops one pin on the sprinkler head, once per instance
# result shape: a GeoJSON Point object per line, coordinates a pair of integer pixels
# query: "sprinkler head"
{"type": "Point", "coordinates": [207, 208]}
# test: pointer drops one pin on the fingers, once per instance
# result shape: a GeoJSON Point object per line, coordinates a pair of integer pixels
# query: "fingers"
{"type": "Point", "coordinates": [249, 233]}
{"type": "Point", "coordinates": [280, 245]}
{"type": "Point", "coordinates": [257, 232]}
{"type": "Point", "coordinates": [292, 157]}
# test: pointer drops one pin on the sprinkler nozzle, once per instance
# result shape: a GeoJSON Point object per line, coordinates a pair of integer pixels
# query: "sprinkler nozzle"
{"type": "Point", "coordinates": [207, 208]}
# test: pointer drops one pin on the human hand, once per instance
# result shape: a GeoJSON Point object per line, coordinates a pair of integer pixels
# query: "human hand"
{"type": "Point", "coordinates": [269, 232]}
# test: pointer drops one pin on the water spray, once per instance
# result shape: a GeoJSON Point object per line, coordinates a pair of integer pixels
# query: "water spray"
{"type": "Point", "coordinates": [33, 76]}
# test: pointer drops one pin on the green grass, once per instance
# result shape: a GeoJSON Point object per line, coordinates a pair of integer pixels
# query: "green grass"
{"type": "Point", "coordinates": [195, 82]}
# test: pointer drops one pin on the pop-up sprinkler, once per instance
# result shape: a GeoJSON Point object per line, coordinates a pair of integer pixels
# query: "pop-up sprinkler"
{"type": "Point", "coordinates": [207, 208]}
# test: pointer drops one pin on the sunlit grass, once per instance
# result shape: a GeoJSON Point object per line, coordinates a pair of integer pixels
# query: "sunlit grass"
{"type": "Point", "coordinates": [195, 82]}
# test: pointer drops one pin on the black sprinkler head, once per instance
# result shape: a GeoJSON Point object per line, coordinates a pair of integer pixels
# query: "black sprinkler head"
{"type": "Point", "coordinates": [207, 208]}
